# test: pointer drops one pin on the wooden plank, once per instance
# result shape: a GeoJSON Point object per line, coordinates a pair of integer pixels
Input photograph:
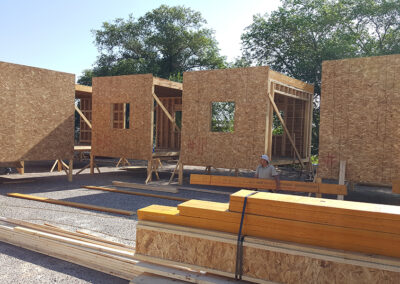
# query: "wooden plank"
{"type": "Point", "coordinates": [166, 112]}
{"type": "Point", "coordinates": [244, 182]}
{"type": "Point", "coordinates": [145, 186]}
{"type": "Point", "coordinates": [167, 83]}
{"type": "Point", "coordinates": [286, 129]}
{"type": "Point", "coordinates": [71, 204]}
{"type": "Point", "coordinates": [101, 261]}
{"type": "Point", "coordinates": [136, 193]}
{"type": "Point", "coordinates": [280, 229]}
{"type": "Point", "coordinates": [284, 210]}
{"type": "Point", "coordinates": [83, 116]}
{"type": "Point", "coordinates": [148, 278]}
{"type": "Point", "coordinates": [182, 274]}
{"type": "Point", "coordinates": [71, 235]}
{"type": "Point", "coordinates": [205, 190]}
{"type": "Point", "coordinates": [351, 208]}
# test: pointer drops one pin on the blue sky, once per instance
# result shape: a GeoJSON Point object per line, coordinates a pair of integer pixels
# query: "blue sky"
{"type": "Point", "coordinates": [57, 34]}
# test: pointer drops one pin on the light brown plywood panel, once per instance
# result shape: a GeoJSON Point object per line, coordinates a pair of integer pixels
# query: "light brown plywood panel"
{"type": "Point", "coordinates": [359, 119]}
{"type": "Point", "coordinates": [135, 142]}
{"type": "Point", "coordinates": [38, 106]}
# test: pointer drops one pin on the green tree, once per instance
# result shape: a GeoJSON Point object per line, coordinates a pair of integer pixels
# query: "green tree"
{"type": "Point", "coordinates": [297, 37]}
{"type": "Point", "coordinates": [165, 42]}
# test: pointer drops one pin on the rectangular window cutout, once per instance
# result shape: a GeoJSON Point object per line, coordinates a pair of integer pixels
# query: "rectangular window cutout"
{"type": "Point", "coordinates": [222, 116]}
{"type": "Point", "coordinates": [120, 115]}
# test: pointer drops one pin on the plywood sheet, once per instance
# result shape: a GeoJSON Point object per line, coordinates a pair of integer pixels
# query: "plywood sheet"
{"type": "Point", "coordinates": [360, 118]}
{"type": "Point", "coordinates": [135, 142]}
{"type": "Point", "coordinates": [247, 87]}
{"type": "Point", "coordinates": [259, 262]}
{"type": "Point", "coordinates": [37, 113]}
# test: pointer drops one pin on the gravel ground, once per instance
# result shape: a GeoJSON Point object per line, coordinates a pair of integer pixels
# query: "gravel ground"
{"type": "Point", "coordinates": [21, 266]}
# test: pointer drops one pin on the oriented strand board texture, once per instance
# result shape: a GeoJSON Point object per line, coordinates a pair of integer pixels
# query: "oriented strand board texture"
{"type": "Point", "coordinates": [135, 142]}
{"type": "Point", "coordinates": [360, 118]}
{"type": "Point", "coordinates": [260, 263]}
{"type": "Point", "coordinates": [248, 88]}
{"type": "Point", "coordinates": [37, 113]}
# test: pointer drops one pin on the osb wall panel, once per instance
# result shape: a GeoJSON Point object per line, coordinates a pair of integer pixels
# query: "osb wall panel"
{"type": "Point", "coordinates": [259, 263]}
{"type": "Point", "coordinates": [37, 113]}
{"type": "Point", "coordinates": [360, 118]}
{"type": "Point", "coordinates": [247, 87]}
{"type": "Point", "coordinates": [135, 142]}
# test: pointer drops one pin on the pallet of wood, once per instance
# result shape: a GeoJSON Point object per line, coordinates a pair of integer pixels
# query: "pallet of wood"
{"type": "Point", "coordinates": [354, 228]}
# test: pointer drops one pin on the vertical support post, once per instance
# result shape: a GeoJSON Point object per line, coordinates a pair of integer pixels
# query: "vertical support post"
{"type": "Point", "coordinates": [59, 165]}
{"type": "Point", "coordinates": [268, 131]}
{"type": "Point", "coordinates": [70, 168]}
{"type": "Point", "coordinates": [342, 172]}
{"type": "Point", "coordinates": [21, 170]}
{"type": "Point", "coordinates": [91, 163]}
{"type": "Point", "coordinates": [180, 176]}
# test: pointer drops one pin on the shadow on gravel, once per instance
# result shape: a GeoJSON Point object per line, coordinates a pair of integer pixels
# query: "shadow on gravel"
{"type": "Point", "coordinates": [54, 264]}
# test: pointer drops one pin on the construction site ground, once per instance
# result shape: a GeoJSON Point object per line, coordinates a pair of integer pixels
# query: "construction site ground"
{"type": "Point", "coordinates": [19, 265]}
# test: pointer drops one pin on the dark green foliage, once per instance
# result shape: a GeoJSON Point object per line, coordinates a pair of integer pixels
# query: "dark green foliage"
{"type": "Point", "coordinates": [165, 42]}
{"type": "Point", "coordinates": [222, 116]}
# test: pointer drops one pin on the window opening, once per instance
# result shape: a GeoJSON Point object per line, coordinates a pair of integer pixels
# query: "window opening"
{"type": "Point", "coordinates": [120, 115]}
{"type": "Point", "coordinates": [222, 116]}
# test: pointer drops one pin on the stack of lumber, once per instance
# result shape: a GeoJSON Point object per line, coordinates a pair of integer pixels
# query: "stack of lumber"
{"type": "Point", "coordinates": [269, 184]}
{"type": "Point", "coordinates": [289, 239]}
{"type": "Point", "coordinates": [96, 253]}
{"type": "Point", "coordinates": [79, 248]}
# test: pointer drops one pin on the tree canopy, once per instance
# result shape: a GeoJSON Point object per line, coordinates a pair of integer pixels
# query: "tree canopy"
{"type": "Point", "coordinates": [297, 37]}
{"type": "Point", "coordinates": [165, 42]}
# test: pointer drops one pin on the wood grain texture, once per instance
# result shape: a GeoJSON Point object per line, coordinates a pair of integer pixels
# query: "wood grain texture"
{"type": "Point", "coordinates": [132, 143]}
{"type": "Point", "coordinates": [327, 236]}
{"type": "Point", "coordinates": [248, 88]}
{"type": "Point", "coordinates": [260, 263]}
{"type": "Point", "coordinates": [360, 118]}
{"type": "Point", "coordinates": [37, 113]}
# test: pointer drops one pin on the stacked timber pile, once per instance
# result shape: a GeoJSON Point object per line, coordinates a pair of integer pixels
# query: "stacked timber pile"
{"type": "Point", "coordinates": [289, 239]}
{"type": "Point", "coordinates": [79, 248]}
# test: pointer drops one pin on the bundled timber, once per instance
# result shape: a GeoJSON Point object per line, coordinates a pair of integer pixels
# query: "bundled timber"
{"type": "Point", "coordinates": [71, 204]}
{"type": "Point", "coordinates": [244, 182]}
{"type": "Point", "coordinates": [349, 214]}
{"type": "Point", "coordinates": [114, 259]}
{"type": "Point", "coordinates": [263, 260]}
{"type": "Point", "coordinates": [351, 226]}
